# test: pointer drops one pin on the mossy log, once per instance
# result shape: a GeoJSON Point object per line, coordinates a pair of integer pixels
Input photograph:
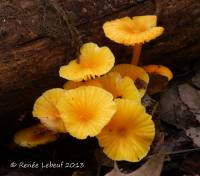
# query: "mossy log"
{"type": "Point", "coordinates": [38, 36]}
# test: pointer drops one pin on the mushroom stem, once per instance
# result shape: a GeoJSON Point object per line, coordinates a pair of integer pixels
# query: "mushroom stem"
{"type": "Point", "coordinates": [136, 53]}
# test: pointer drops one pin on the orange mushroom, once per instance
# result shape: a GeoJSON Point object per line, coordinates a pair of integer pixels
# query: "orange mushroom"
{"type": "Point", "coordinates": [46, 110]}
{"type": "Point", "coordinates": [120, 87]}
{"type": "Point", "coordinates": [86, 110]}
{"type": "Point", "coordinates": [133, 32]}
{"type": "Point", "coordinates": [93, 61]}
{"type": "Point", "coordinates": [35, 135]}
{"type": "Point", "coordinates": [137, 74]}
{"type": "Point", "coordinates": [159, 69]}
{"type": "Point", "coordinates": [129, 134]}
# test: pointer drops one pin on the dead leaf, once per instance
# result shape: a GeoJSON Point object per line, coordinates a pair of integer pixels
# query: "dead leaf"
{"type": "Point", "coordinates": [196, 79]}
{"type": "Point", "coordinates": [191, 164]}
{"type": "Point", "coordinates": [174, 111]}
{"type": "Point", "coordinates": [150, 104]}
{"type": "Point", "coordinates": [194, 134]}
{"type": "Point", "coordinates": [115, 172]}
{"type": "Point", "coordinates": [152, 167]}
{"type": "Point", "coordinates": [191, 97]}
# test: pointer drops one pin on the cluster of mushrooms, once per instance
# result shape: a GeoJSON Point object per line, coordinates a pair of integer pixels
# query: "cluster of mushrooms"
{"type": "Point", "coordinates": [101, 99]}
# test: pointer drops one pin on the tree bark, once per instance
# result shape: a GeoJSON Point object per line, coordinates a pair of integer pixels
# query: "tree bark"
{"type": "Point", "coordinates": [38, 36]}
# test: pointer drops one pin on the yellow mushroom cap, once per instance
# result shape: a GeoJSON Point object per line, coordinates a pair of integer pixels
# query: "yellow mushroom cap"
{"type": "Point", "coordinates": [113, 83]}
{"type": "Point", "coordinates": [71, 84]}
{"type": "Point", "coordinates": [134, 72]}
{"type": "Point", "coordinates": [86, 110]}
{"type": "Point", "coordinates": [93, 61]}
{"type": "Point", "coordinates": [120, 87]}
{"type": "Point", "coordinates": [129, 31]}
{"type": "Point", "coordinates": [45, 109]}
{"type": "Point", "coordinates": [34, 136]}
{"type": "Point", "coordinates": [129, 134]}
{"type": "Point", "coordinates": [160, 70]}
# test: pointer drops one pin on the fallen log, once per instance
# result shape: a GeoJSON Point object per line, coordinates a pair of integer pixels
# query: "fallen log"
{"type": "Point", "coordinates": [39, 36]}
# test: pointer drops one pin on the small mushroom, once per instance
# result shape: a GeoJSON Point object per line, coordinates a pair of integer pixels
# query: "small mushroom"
{"type": "Point", "coordinates": [133, 32]}
{"type": "Point", "coordinates": [112, 82]}
{"type": "Point", "coordinates": [34, 136]}
{"type": "Point", "coordinates": [129, 134]}
{"type": "Point", "coordinates": [46, 110]}
{"type": "Point", "coordinates": [93, 61]}
{"type": "Point", "coordinates": [136, 73]}
{"type": "Point", "coordinates": [160, 70]}
{"type": "Point", "coordinates": [120, 87]}
{"type": "Point", "coordinates": [86, 110]}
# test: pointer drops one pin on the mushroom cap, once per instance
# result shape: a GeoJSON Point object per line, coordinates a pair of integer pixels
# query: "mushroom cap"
{"type": "Point", "coordinates": [135, 73]}
{"type": "Point", "coordinates": [45, 109]}
{"type": "Point", "coordinates": [129, 134]}
{"type": "Point", "coordinates": [129, 31]}
{"type": "Point", "coordinates": [34, 136]}
{"type": "Point", "coordinates": [113, 83]}
{"type": "Point", "coordinates": [86, 110]}
{"type": "Point", "coordinates": [160, 70]}
{"type": "Point", "coordinates": [93, 61]}
{"type": "Point", "coordinates": [120, 87]}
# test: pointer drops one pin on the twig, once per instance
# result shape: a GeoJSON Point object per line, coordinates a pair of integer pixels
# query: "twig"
{"type": "Point", "coordinates": [98, 170]}
{"type": "Point", "coordinates": [177, 152]}
{"type": "Point", "coordinates": [182, 151]}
